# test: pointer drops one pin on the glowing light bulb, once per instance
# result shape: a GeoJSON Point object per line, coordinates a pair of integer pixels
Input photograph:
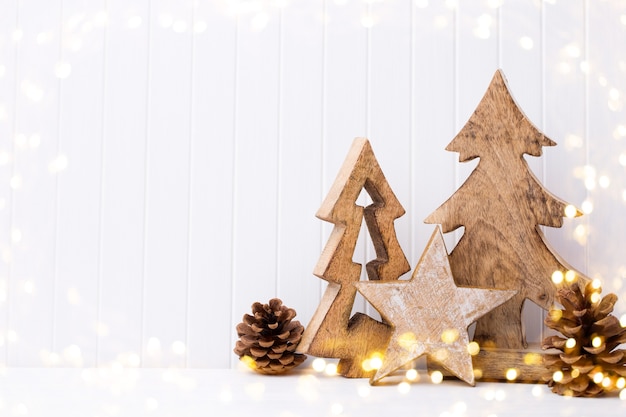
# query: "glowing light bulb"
{"type": "Point", "coordinates": [179, 348]}
{"type": "Point", "coordinates": [533, 359]}
{"type": "Point", "coordinates": [598, 377]}
{"type": "Point", "coordinates": [555, 314]}
{"type": "Point", "coordinates": [595, 298]}
{"type": "Point", "coordinates": [248, 361]}
{"type": "Point", "coordinates": [407, 340]}
{"type": "Point", "coordinates": [570, 276]}
{"type": "Point", "coordinates": [604, 181]}
{"type": "Point", "coordinates": [318, 365]}
{"type": "Point", "coordinates": [557, 277]}
{"type": "Point", "coordinates": [511, 374]}
{"type": "Point", "coordinates": [526, 43]}
{"type": "Point", "coordinates": [412, 375]}
{"type": "Point", "coordinates": [596, 342]}
{"type": "Point", "coordinates": [557, 376]}
{"type": "Point", "coordinates": [473, 348]}
{"type": "Point", "coordinates": [572, 50]}
{"type": "Point", "coordinates": [570, 211]}
{"type": "Point", "coordinates": [571, 342]}
{"type": "Point", "coordinates": [375, 361]}
{"type": "Point", "coordinates": [436, 377]}
{"type": "Point", "coordinates": [404, 387]}
{"type": "Point", "coordinates": [449, 336]}
{"type": "Point", "coordinates": [330, 369]}
{"type": "Point", "coordinates": [153, 346]}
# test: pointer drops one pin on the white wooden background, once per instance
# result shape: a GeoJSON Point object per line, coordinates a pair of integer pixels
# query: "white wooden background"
{"type": "Point", "coordinates": [161, 161]}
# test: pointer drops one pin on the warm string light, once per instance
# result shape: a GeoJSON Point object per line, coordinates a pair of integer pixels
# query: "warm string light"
{"type": "Point", "coordinates": [557, 277]}
{"type": "Point", "coordinates": [318, 365]}
{"type": "Point", "coordinates": [374, 362]}
{"type": "Point", "coordinates": [412, 375]}
{"type": "Point", "coordinates": [596, 341]}
{"type": "Point", "coordinates": [511, 374]}
{"type": "Point", "coordinates": [321, 366]}
{"type": "Point", "coordinates": [449, 336]}
{"type": "Point", "coordinates": [473, 348]}
{"type": "Point", "coordinates": [436, 377]}
{"type": "Point", "coordinates": [569, 276]}
{"type": "Point", "coordinates": [404, 387]}
{"type": "Point", "coordinates": [330, 369]}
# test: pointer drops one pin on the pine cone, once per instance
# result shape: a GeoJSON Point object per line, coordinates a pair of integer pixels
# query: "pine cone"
{"type": "Point", "coordinates": [589, 363]}
{"type": "Point", "coordinates": [269, 337]}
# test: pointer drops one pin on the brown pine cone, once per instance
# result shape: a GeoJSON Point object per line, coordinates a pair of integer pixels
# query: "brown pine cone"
{"type": "Point", "coordinates": [589, 363]}
{"type": "Point", "coordinates": [268, 338]}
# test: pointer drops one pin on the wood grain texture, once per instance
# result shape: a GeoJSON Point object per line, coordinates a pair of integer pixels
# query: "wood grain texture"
{"type": "Point", "coordinates": [430, 314]}
{"type": "Point", "coordinates": [501, 205]}
{"type": "Point", "coordinates": [331, 331]}
{"type": "Point", "coordinates": [494, 364]}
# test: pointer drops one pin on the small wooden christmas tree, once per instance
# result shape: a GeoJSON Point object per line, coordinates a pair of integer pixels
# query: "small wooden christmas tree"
{"type": "Point", "coordinates": [501, 205]}
{"type": "Point", "coordinates": [332, 333]}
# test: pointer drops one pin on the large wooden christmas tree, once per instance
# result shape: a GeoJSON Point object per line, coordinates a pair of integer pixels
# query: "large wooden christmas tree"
{"type": "Point", "coordinates": [502, 204]}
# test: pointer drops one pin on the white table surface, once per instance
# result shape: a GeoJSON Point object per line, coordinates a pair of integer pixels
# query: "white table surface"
{"type": "Point", "coordinates": [227, 393]}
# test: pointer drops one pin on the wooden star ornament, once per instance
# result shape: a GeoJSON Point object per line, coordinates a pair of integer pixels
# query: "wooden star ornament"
{"type": "Point", "coordinates": [429, 314]}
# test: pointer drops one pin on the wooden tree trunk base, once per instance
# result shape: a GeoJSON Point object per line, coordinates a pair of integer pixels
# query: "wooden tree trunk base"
{"type": "Point", "coordinates": [492, 364]}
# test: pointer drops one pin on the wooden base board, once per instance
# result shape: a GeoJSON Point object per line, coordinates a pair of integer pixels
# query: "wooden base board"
{"type": "Point", "coordinates": [507, 365]}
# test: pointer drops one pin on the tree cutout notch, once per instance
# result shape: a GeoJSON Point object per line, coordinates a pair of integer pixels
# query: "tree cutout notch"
{"type": "Point", "coordinates": [501, 205]}
{"type": "Point", "coordinates": [332, 333]}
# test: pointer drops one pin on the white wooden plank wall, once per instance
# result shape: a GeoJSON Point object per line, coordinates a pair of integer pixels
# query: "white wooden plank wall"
{"type": "Point", "coordinates": [161, 161]}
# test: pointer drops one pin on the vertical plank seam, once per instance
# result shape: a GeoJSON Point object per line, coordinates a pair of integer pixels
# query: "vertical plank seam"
{"type": "Point", "coordinates": [56, 214]}
{"type": "Point", "coordinates": [586, 120]}
{"type": "Point", "coordinates": [412, 209]}
{"type": "Point", "coordinates": [542, 58]}
{"type": "Point", "coordinates": [455, 89]}
{"type": "Point", "coordinates": [368, 70]}
{"type": "Point", "coordinates": [279, 156]}
{"type": "Point", "coordinates": [235, 187]}
{"type": "Point", "coordinates": [145, 191]}
{"type": "Point", "coordinates": [323, 132]}
{"type": "Point", "coordinates": [368, 120]}
{"type": "Point", "coordinates": [99, 264]}
{"type": "Point", "coordinates": [16, 64]}
{"type": "Point", "coordinates": [499, 35]}
{"type": "Point", "coordinates": [458, 233]}
{"type": "Point", "coordinates": [190, 183]}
